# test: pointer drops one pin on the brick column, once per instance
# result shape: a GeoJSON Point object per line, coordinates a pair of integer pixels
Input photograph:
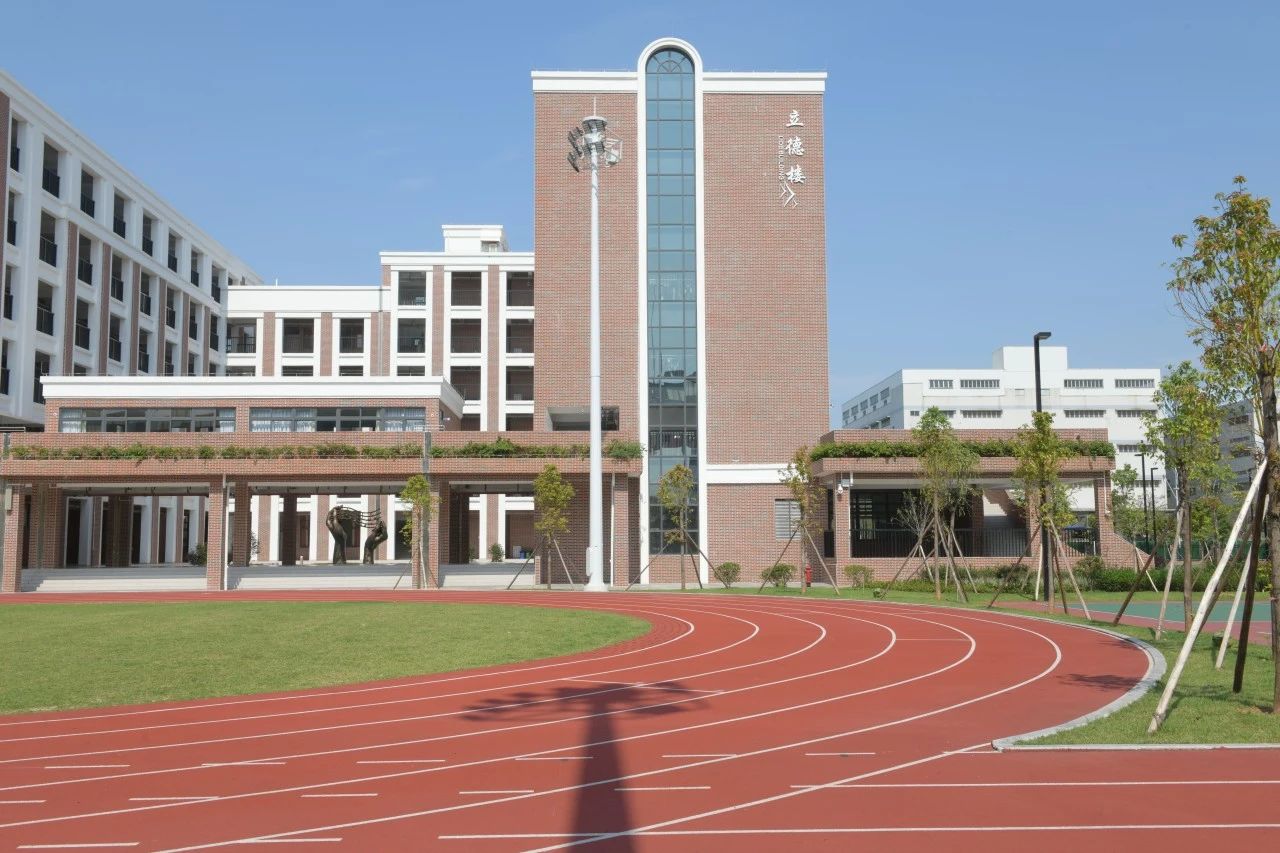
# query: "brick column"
{"type": "Point", "coordinates": [268, 344]}
{"type": "Point", "coordinates": [215, 556]}
{"type": "Point", "coordinates": [243, 526]}
{"type": "Point", "coordinates": [842, 521]}
{"type": "Point", "coordinates": [288, 530]}
{"type": "Point", "coordinates": [326, 345]}
{"type": "Point", "coordinates": [324, 539]}
{"type": "Point", "coordinates": [264, 527]}
{"type": "Point", "coordinates": [438, 528]}
{"type": "Point", "coordinates": [46, 527]}
{"type": "Point", "coordinates": [120, 533]}
{"type": "Point", "coordinates": [11, 542]}
{"type": "Point", "coordinates": [623, 539]}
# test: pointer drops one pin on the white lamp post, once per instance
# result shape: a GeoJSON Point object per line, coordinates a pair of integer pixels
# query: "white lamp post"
{"type": "Point", "coordinates": [590, 140]}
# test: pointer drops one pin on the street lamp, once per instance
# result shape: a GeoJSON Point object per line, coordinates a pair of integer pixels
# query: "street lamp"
{"type": "Point", "coordinates": [1146, 517]}
{"type": "Point", "coordinates": [590, 143]}
{"type": "Point", "coordinates": [1155, 526]}
{"type": "Point", "coordinates": [1044, 534]}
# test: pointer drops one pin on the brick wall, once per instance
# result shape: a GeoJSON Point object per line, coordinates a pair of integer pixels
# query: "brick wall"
{"type": "Point", "coordinates": [268, 343]}
{"type": "Point", "coordinates": [71, 257]}
{"type": "Point", "coordinates": [326, 344]}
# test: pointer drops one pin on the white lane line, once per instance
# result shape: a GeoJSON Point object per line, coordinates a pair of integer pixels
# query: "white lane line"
{"type": "Point", "coordinates": [512, 791]}
{"type": "Point", "coordinates": [404, 761]}
{"type": "Point", "coordinates": [171, 799]}
{"type": "Point", "coordinates": [645, 685]}
{"type": "Point", "coordinates": [871, 830]}
{"type": "Point", "coordinates": [668, 788]}
{"type": "Point", "coordinates": [323, 840]}
{"type": "Point", "coordinates": [1104, 784]}
{"type": "Point", "coordinates": [74, 846]}
{"type": "Point", "coordinates": [332, 796]}
{"type": "Point", "coordinates": [702, 755]}
{"type": "Point", "coordinates": [243, 763]}
{"type": "Point", "coordinates": [19, 802]}
{"type": "Point", "coordinates": [85, 766]}
{"type": "Point", "coordinates": [836, 754]}
{"type": "Point", "coordinates": [553, 758]}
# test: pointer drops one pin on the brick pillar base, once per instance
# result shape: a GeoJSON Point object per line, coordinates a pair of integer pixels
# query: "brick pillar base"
{"type": "Point", "coordinates": [215, 544]}
{"type": "Point", "coordinates": [289, 530]}
{"type": "Point", "coordinates": [438, 529]}
{"type": "Point", "coordinates": [242, 528]}
{"type": "Point", "coordinates": [11, 543]}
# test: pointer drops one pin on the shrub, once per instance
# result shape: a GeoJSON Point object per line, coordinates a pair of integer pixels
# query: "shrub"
{"type": "Point", "coordinates": [621, 449]}
{"type": "Point", "coordinates": [779, 575]}
{"type": "Point", "coordinates": [1090, 564]}
{"type": "Point", "coordinates": [198, 557]}
{"type": "Point", "coordinates": [727, 573]}
{"type": "Point", "coordinates": [859, 576]}
{"type": "Point", "coordinates": [497, 553]}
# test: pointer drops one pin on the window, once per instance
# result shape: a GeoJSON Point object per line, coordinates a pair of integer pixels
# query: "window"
{"type": "Point", "coordinates": [884, 395]}
{"type": "Point", "coordinates": [1239, 420]}
{"type": "Point", "coordinates": [1082, 383]}
{"type": "Point", "coordinates": [490, 246]}
{"type": "Point", "coordinates": [519, 423]}
{"type": "Point", "coordinates": [464, 336]}
{"type": "Point", "coordinates": [520, 289]}
{"type": "Point", "coordinates": [170, 368]}
{"type": "Point", "coordinates": [351, 335]}
{"type": "Point", "coordinates": [15, 151]}
{"type": "Point", "coordinates": [411, 370]}
{"type": "Point", "coordinates": [51, 180]}
{"type": "Point", "coordinates": [117, 277]}
{"type": "Point", "coordinates": [411, 336]}
{"type": "Point", "coordinates": [119, 212]}
{"type": "Point", "coordinates": [577, 419]}
{"type": "Point", "coordinates": [466, 380]}
{"type": "Point", "coordinates": [241, 370]}
{"type": "Point", "coordinates": [84, 259]}
{"type": "Point", "coordinates": [413, 289]}
{"type": "Point", "coordinates": [48, 239]}
{"type": "Point", "coordinates": [193, 324]}
{"type": "Point", "coordinates": [981, 413]}
{"type": "Point", "coordinates": [979, 383]}
{"type": "Point", "coordinates": [87, 203]}
{"type": "Point", "coordinates": [351, 419]}
{"type": "Point", "coordinates": [173, 251]}
{"type": "Point", "coordinates": [82, 331]}
{"type": "Point", "coordinates": [242, 336]}
{"type": "Point", "coordinates": [148, 235]}
{"type": "Point", "coordinates": [196, 261]}
{"type": "Point", "coordinates": [144, 294]}
{"type": "Point", "coordinates": [215, 283]}
{"type": "Point", "coordinates": [147, 420]}
{"type": "Point", "coordinates": [940, 384]}
{"type": "Point", "coordinates": [115, 348]}
{"type": "Point", "coordinates": [519, 336]}
{"type": "Point", "coordinates": [786, 517]}
{"type": "Point", "coordinates": [9, 284]}
{"type": "Point", "coordinates": [299, 337]}
{"type": "Point", "coordinates": [79, 370]}
{"type": "Point", "coordinates": [4, 367]}
{"type": "Point", "coordinates": [519, 383]}
{"type": "Point", "coordinates": [1133, 413]}
{"type": "Point", "coordinates": [464, 289]}
{"type": "Point", "coordinates": [193, 366]}
{"type": "Point", "coordinates": [351, 370]}
{"type": "Point", "coordinates": [44, 308]}
{"type": "Point", "coordinates": [11, 220]}
{"type": "Point", "coordinates": [41, 368]}
{"type": "Point", "coordinates": [1083, 413]}
{"type": "Point", "coordinates": [171, 308]}
{"type": "Point", "coordinates": [296, 370]}
{"type": "Point", "coordinates": [1128, 448]}
{"type": "Point", "coordinates": [144, 352]}
{"type": "Point", "coordinates": [1135, 383]}
{"type": "Point", "coordinates": [915, 413]}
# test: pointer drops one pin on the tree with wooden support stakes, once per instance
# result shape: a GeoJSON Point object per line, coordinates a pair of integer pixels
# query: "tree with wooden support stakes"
{"type": "Point", "coordinates": [1227, 285]}
{"type": "Point", "coordinates": [805, 496]}
{"type": "Point", "coordinates": [675, 491]}
{"type": "Point", "coordinates": [552, 495]}
{"type": "Point", "coordinates": [417, 493]}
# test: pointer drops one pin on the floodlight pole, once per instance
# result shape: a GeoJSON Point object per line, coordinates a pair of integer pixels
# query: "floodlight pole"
{"type": "Point", "coordinates": [594, 138]}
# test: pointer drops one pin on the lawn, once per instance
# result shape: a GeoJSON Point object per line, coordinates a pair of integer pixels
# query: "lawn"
{"type": "Point", "coordinates": [1204, 709]}
{"type": "Point", "coordinates": [58, 656]}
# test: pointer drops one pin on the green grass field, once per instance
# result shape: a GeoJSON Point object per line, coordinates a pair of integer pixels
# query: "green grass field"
{"type": "Point", "coordinates": [1204, 709]}
{"type": "Point", "coordinates": [59, 656]}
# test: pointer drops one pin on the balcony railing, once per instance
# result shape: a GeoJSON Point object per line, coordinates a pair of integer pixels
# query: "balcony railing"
{"type": "Point", "coordinates": [144, 360]}
{"type": "Point", "coordinates": [173, 262]}
{"type": "Point", "coordinates": [351, 343]}
{"type": "Point", "coordinates": [298, 344]}
{"type": "Point", "coordinates": [82, 336]}
{"type": "Point", "coordinates": [37, 393]}
{"type": "Point", "coordinates": [216, 292]}
{"type": "Point", "coordinates": [169, 369]}
{"type": "Point", "coordinates": [195, 276]}
{"type": "Point", "coordinates": [51, 182]}
{"type": "Point", "coordinates": [148, 245]}
{"type": "Point", "coordinates": [84, 271]}
{"type": "Point", "coordinates": [412, 297]}
{"type": "Point", "coordinates": [468, 390]}
{"type": "Point", "coordinates": [88, 205]}
{"type": "Point", "coordinates": [171, 317]}
{"type": "Point", "coordinates": [48, 251]}
{"type": "Point", "coordinates": [214, 341]}
{"type": "Point", "coordinates": [193, 330]}
{"type": "Point", "coordinates": [517, 393]}
{"type": "Point", "coordinates": [15, 158]}
{"type": "Point", "coordinates": [119, 226]}
{"type": "Point", "coordinates": [242, 345]}
{"type": "Point", "coordinates": [465, 343]}
{"type": "Point", "coordinates": [44, 320]}
{"type": "Point", "coordinates": [4, 380]}
{"type": "Point", "coordinates": [144, 304]}
{"type": "Point", "coordinates": [11, 232]}
{"type": "Point", "coordinates": [114, 348]}
{"type": "Point", "coordinates": [8, 304]}
{"type": "Point", "coordinates": [416, 344]}
{"type": "Point", "coordinates": [1008, 542]}
{"type": "Point", "coordinates": [117, 289]}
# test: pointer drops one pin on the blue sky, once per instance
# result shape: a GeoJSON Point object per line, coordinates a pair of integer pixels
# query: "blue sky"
{"type": "Point", "coordinates": [993, 168]}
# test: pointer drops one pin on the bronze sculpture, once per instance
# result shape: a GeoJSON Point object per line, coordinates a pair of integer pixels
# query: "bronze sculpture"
{"type": "Point", "coordinates": [369, 520]}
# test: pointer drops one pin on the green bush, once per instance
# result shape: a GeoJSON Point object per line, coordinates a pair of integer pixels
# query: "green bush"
{"type": "Point", "coordinates": [727, 573]}
{"type": "Point", "coordinates": [858, 576]}
{"type": "Point", "coordinates": [497, 553]}
{"type": "Point", "coordinates": [198, 557]}
{"type": "Point", "coordinates": [621, 449]}
{"type": "Point", "coordinates": [779, 575]}
{"type": "Point", "coordinates": [890, 449]}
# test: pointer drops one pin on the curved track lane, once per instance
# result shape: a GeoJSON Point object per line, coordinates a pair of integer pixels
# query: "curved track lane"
{"type": "Point", "coordinates": [744, 722]}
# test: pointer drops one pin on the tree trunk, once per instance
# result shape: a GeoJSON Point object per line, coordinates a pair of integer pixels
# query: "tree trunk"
{"type": "Point", "coordinates": [1184, 496]}
{"type": "Point", "coordinates": [937, 570]}
{"type": "Point", "coordinates": [415, 545]}
{"type": "Point", "coordinates": [1271, 448]}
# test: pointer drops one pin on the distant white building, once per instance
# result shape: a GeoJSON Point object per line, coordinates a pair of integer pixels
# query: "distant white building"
{"type": "Point", "coordinates": [1004, 396]}
{"type": "Point", "coordinates": [1241, 441]}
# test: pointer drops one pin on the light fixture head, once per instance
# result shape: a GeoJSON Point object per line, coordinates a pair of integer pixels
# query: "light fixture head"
{"type": "Point", "coordinates": [1043, 336]}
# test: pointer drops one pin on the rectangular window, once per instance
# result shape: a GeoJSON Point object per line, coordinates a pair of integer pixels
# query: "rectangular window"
{"type": "Point", "coordinates": [351, 370]}
{"type": "Point", "coordinates": [82, 331]}
{"type": "Point", "coordinates": [41, 368]}
{"type": "Point", "coordinates": [940, 384]}
{"type": "Point", "coordinates": [215, 283]}
{"type": "Point", "coordinates": [786, 518]}
{"type": "Point", "coordinates": [981, 413]}
{"type": "Point", "coordinates": [170, 366]}
{"type": "Point", "coordinates": [884, 395]}
{"type": "Point", "coordinates": [466, 380]}
{"type": "Point", "coordinates": [296, 370]}
{"type": "Point", "coordinates": [464, 289]}
{"type": "Point", "coordinates": [147, 420]}
{"type": "Point", "coordinates": [115, 347]}
{"type": "Point", "coordinates": [1133, 413]}
{"type": "Point", "coordinates": [197, 260]}
{"type": "Point", "coordinates": [193, 324]}
{"type": "Point", "coordinates": [11, 220]}
{"type": "Point", "coordinates": [87, 203]}
{"type": "Point", "coordinates": [1082, 383]}
{"type": "Point", "coordinates": [44, 308]}
{"type": "Point", "coordinates": [519, 336]}
{"type": "Point", "coordinates": [15, 150]}
{"type": "Point", "coordinates": [413, 289]}
{"type": "Point", "coordinates": [51, 180]}
{"type": "Point", "coordinates": [299, 337]}
{"type": "Point", "coordinates": [348, 419]}
{"type": "Point", "coordinates": [520, 289]}
{"type": "Point", "coordinates": [351, 335]}
{"type": "Point", "coordinates": [144, 294]}
{"type": "Point", "coordinates": [84, 259]}
{"type": "Point", "coordinates": [519, 383]}
{"type": "Point", "coordinates": [519, 423]}
{"type": "Point", "coordinates": [173, 252]}
{"type": "Point", "coordinates": [1083, 413]}
{"type": "Point", "coordinates": [117, 277]}
{"type": "Point", "coordinates": [979, 383]}
{"type": "Point", "coordinates": [193, 366]}
{"type": "Point", "coordinates": [148, 235]}
{"type": "Point", "coordinates": [119, 214]}
{"type": "Point", "coordinates": [1135, 383]}
{"type": "Point", "coordinates": [411, 336]}
{"type": "Point", "coordinates": [241, 370]}
{"type": "Point", "coordinates": [171, 308]}
{"type": "Point", "coordinates": [4, 367]}
{"type": "Point", "coordinates": [1128, 448]}
{"type": "Point", "coordinates": [10, 282]}
{"type": "Point", "coordinates": [48, 239]}
{"type": "Point", "coordinates": [411, 370]}
{"type": "Point", "coordinates": [242, 336]}
{"type": "Point", "coordinates": [464, 336]}
{"type": "Point", "coordinates": [144, 351]}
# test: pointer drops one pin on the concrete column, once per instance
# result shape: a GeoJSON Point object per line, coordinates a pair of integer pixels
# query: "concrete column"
{"type": "Point", "coordinates": [11, 534]}
{"type": "Point", "coordinates": [289, 530]}
{"type": "Point", "coordinates": [324, 539]}
{"type": "Point", "coordinates": [215, 553]}
{"type": "Point", "coordinates": [243, 527]}
{"type": "Point", "coordinates": [264, 527]}
{"type": "Point", "coordinates": [841, 520]}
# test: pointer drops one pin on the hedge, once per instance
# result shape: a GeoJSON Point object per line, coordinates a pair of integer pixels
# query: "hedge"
{"type": "Point", "coordinates": [997, 447]}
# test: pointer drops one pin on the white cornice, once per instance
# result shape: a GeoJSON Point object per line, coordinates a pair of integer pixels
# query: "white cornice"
{"type": "Point", "coordinates": [764, 83]}
{"type": "Point", "coordinates": [584, 81]}
{"type": "Point", "coordinates": [519, 261]}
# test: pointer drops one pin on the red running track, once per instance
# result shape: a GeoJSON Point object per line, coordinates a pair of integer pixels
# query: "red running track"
{"type": "Point", "coordinates": [743, 724]}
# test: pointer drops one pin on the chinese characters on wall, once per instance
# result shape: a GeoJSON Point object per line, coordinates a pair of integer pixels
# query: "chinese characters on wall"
{"type": "Point", "coordinates": [790, 167]}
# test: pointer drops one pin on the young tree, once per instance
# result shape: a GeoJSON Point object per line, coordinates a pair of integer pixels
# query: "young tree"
{"type": "Point", "coordinates": [1128, 516]}
{"type": "Point", "coordinates": [798, 478]}
{"type": "Point", "coordinates": [1040, 452]}
{"type": "Point", "coordinates": [1183, 430]}
{"type": "Point", "coordinates": [422, 506]}
{"type": "Point", "coordinates": [674, 490]}
{"type": "Point", "coordinates": [947, 469]}
{"type": "Point", "coordinates": [551, 497]}
{"type": "Point", "coordinates": [1228, 287]}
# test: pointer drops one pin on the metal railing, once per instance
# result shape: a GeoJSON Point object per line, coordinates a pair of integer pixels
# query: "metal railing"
{"type": "Point", "coordinates": [84, 271]}
{"type": "Point", "coordinates": [144, 360]}
{"type": "Point", "coordinates": [52, 182]}
{"type": "Point", "coordinates": [44, 320]}
{"type": "Point", "coordinates": [119, 226]}
{"type": "Point", "coordinates": [171, 317]}
{"type": "Point", "coordinates": [351, 343]}
{"type": "Point", "coordinates": [15, 158]}
{"type": "Point", "coordinates": [242, 344]}
{"type": "Point", "coordinates": [48, 251]}
{"type": "Point", "coordinates": [117, 288]}
{"type": "Point", "coordinates": [114, 349]}
{"type": "Point", "coordinates": [82, 336]}
{"type": "Point", "coordinates": [298, 344]}
{"type": "Point", "coordinates": [464, 343]}
{"type": "Point", "coordinates": [195, 276]}
{"type": "Point", "coordinates": [88, 205]}
{"type": "Point", "coordinates": [144, 304]}
{"type": "Point", "coordinates": [412, 345]}
{"type": "Point", "coordinates": [8, 304]}
{"type": "Point", "coordinates": [11, 232]}
{"type": "Point", "coordinates": [148, 245]}
{"type": "Point", "coordinates": [173, 262]}
{"type": "Point", "coordinates": [412, 298]}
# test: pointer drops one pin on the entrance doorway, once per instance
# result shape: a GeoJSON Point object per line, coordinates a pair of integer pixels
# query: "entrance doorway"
{"type": "Point", "coordinates": [74, 510]}
{"type": "Point", "coordinates": [162, 546]}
